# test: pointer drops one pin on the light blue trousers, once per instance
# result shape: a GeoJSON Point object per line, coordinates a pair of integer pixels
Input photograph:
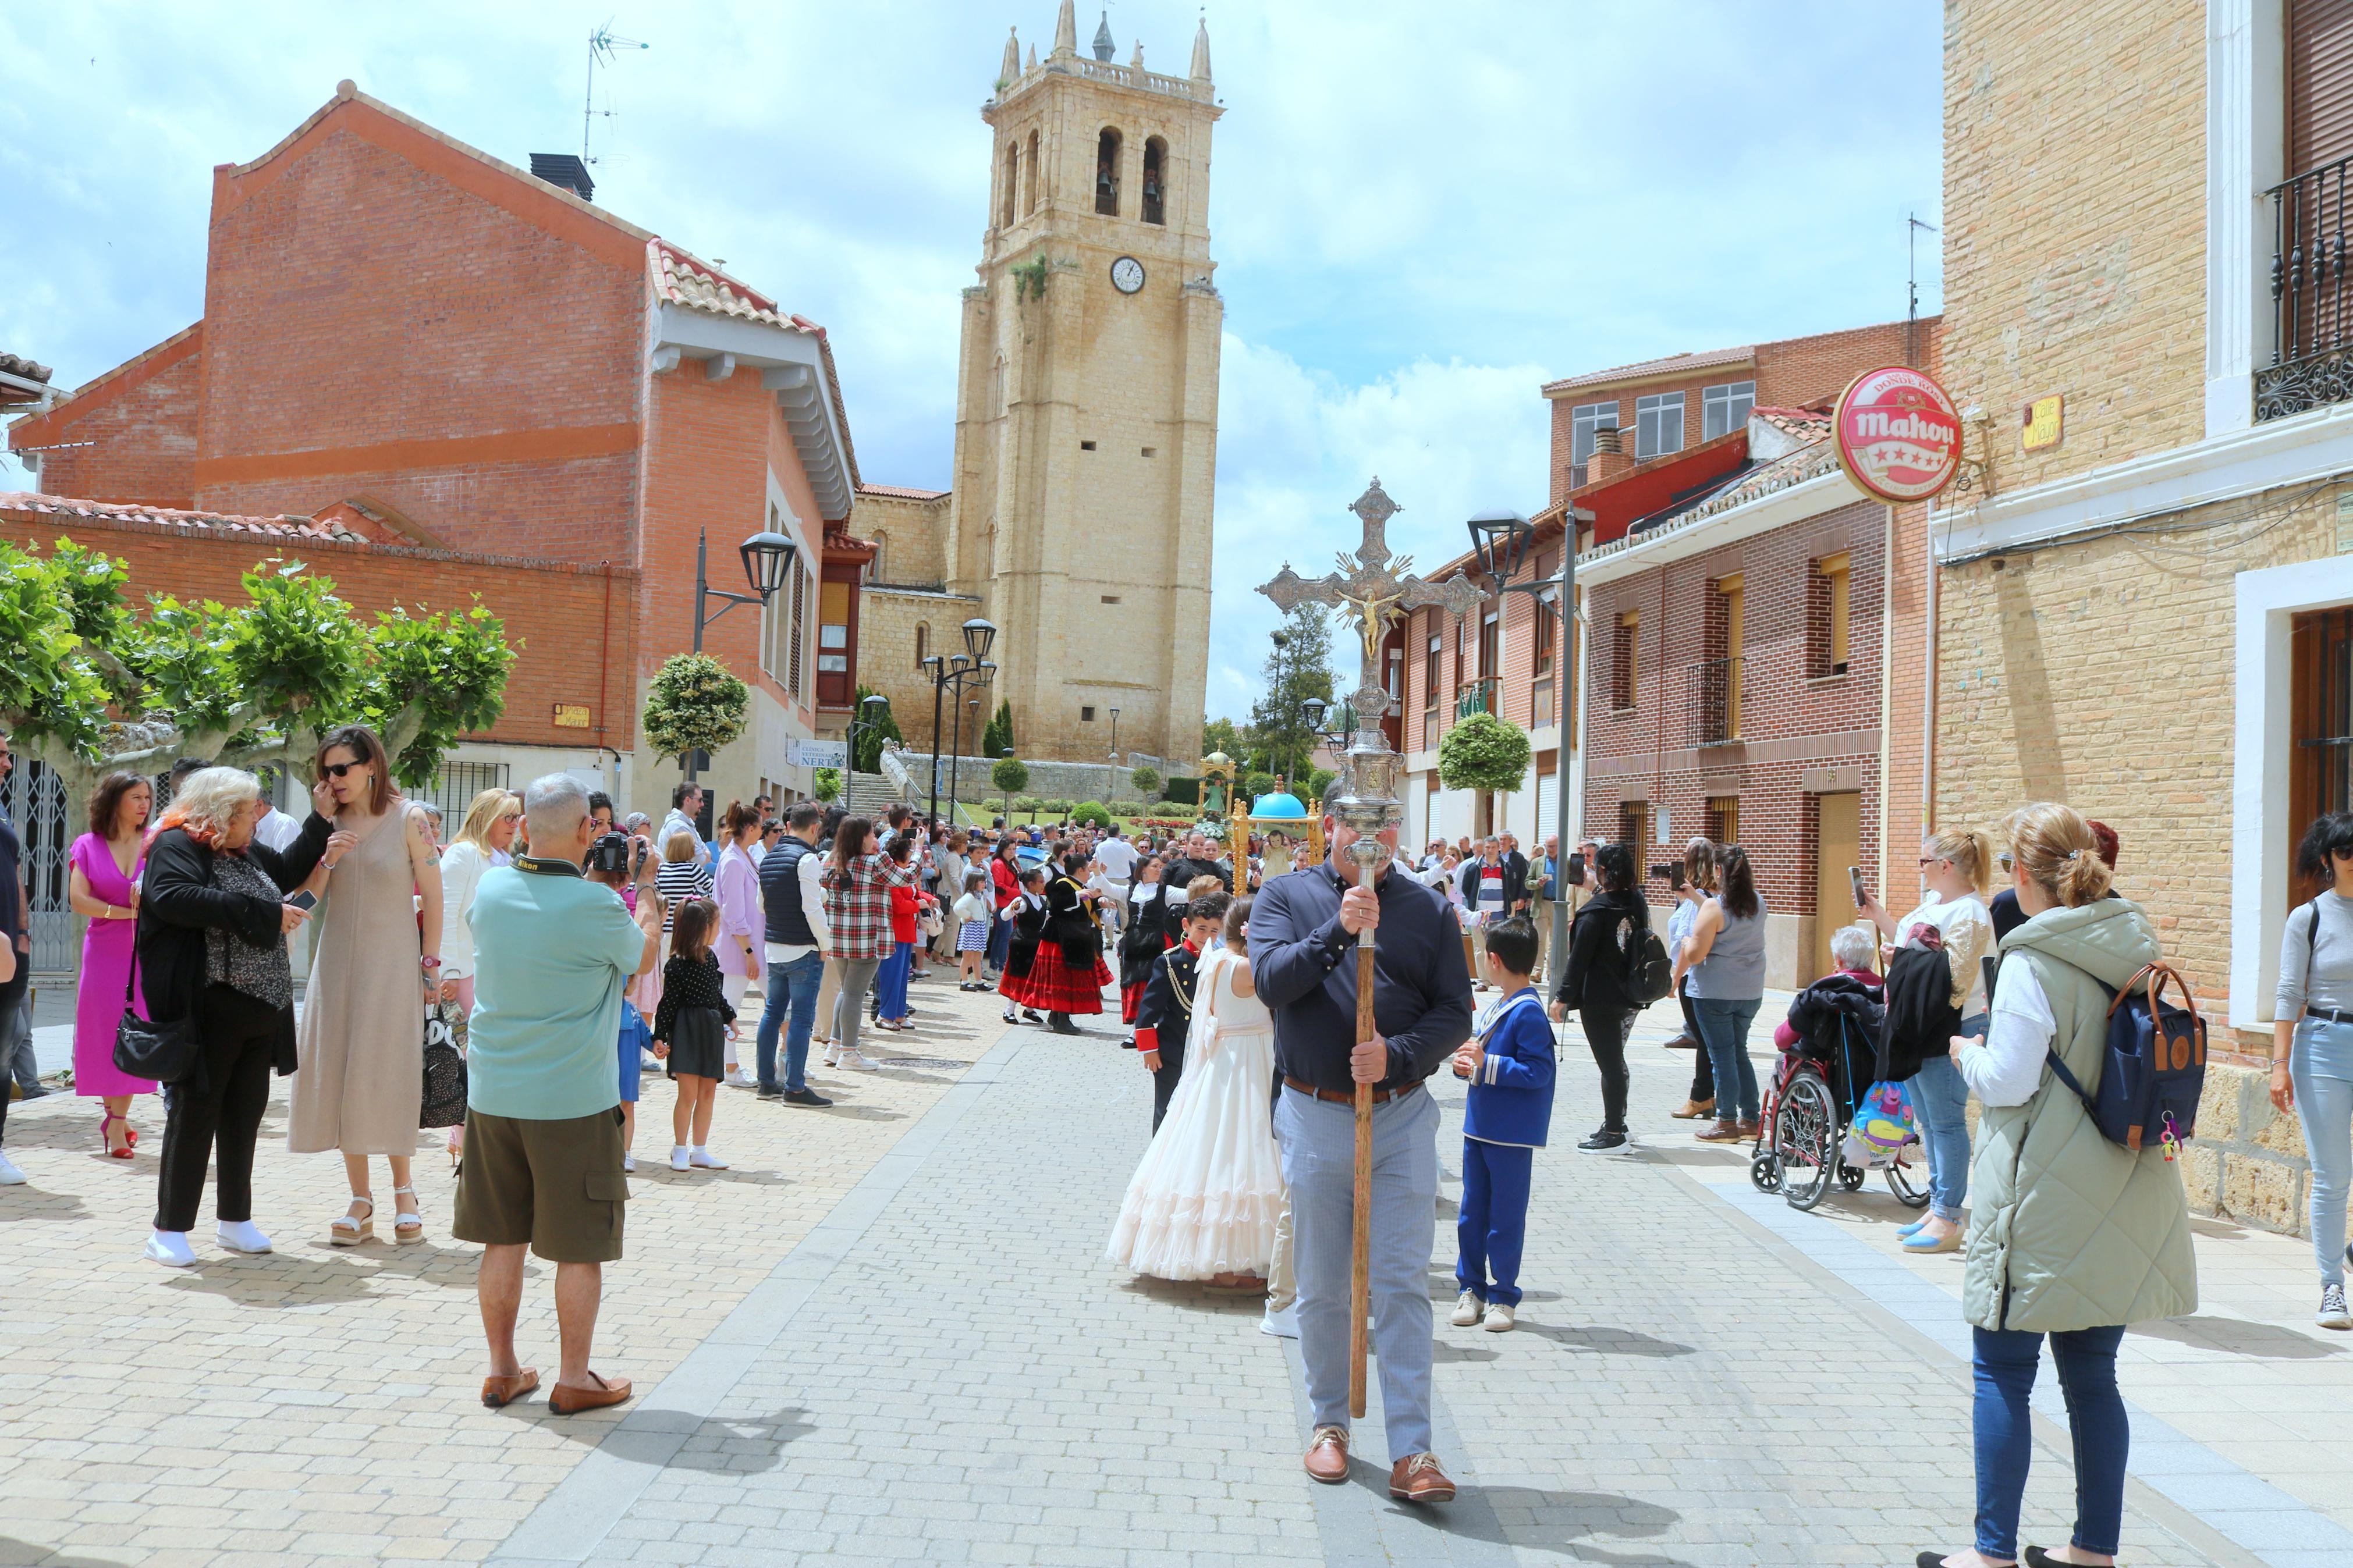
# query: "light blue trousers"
{"type": "Point", "coordinates": [1319, 1161]}
{"type": "Point", "coordinates": [2320, 1065]}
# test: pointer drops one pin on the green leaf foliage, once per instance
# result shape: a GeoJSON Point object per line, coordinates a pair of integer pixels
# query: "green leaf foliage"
{"type": "Point", "coordinates": [1181, 791]}
{"type": "Point", "coordinates": [1092, 812]}
{"type": "Point", "coordinates": [1483, 751]}
{"type": "Point", "coordinates": [866, 753]}
{"type": "Point", "coordinates": [1146, 781]}
{"type": "Point", "coordinates": [695, 704]}
{"type": "Point", "coordinates": [1011, 774]}
{"type": "Point", "coordinates": [1319, 783]}
{"type": "Point", "coordinates": [828, 784]}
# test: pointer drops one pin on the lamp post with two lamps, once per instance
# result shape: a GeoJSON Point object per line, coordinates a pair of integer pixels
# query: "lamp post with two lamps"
{"type": "Point", "coordinates": [971, 668]}
{"type": "Point", "coordinates": [1501, 540]}
{"type": "Point", "coordinates": [767, 558]}
{"type": "Point", "coordinates": [875, 712]}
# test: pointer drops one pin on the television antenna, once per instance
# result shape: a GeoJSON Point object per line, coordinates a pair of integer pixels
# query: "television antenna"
{"type": "Point", "coordinates": [1912, 227]}
{"type": "Point", "coordinates": [603, 44]}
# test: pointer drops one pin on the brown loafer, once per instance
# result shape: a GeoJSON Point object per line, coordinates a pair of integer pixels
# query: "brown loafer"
{"type": "Point", "coordinates": [1416, 1478]}
{"type": "Point", "coordinates": [566, 1400]}
{"type": "Point", "coordinates": [1725, 1133]}
{"type": "Point", "coordinates": [503, 1388]}
{"type": "Point", "coordinates": [1693, 1110]}
{"type": "Point", "coordinates": [1327, 1456]}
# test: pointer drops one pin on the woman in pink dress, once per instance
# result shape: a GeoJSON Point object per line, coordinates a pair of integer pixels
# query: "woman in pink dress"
{"type": "Point", "coordinates": [105, 887]}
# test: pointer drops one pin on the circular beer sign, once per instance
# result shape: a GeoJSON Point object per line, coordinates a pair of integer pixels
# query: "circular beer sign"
{"type": "Point", "coordinates": [1898, 435]}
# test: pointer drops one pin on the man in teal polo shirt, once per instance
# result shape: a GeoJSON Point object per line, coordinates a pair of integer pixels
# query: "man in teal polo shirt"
{"type": "Point", "coordinates": [543, 1167]}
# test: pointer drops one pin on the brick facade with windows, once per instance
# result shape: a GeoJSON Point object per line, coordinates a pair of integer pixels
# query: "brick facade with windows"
{"type": "Point", "coordinates": [446, 355]}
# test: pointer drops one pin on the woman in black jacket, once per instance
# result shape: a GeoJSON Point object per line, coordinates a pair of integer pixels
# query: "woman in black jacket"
{"type": "Point", "coordinates": [212, 948]}
{"type": "Point", "coordinates": [1142, 935]}
{"type": "Point", "coordinates": [1594, 983]}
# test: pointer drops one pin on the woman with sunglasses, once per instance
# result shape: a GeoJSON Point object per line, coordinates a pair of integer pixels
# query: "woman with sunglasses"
{"type": "Point", "coordinates": [375, 969]}
{"type": "Point", "coordinates": [2312, 1043]}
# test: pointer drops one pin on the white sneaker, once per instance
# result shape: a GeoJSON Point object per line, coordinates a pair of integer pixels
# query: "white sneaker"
{"type": "Point", "coordinates": [704, 1160]}
{"type": "Point", "coordinates": [170, 1248]}
{"type": "Point", "coordinates": [2332, 1313]}
{"type": "Point", "coordinates": [736, 1079]}
{"type": "Point", "coordinates": [630, 1163]}
{"type": "Point", "coordinates": [240, 1235]}
{"type": "Point", "coordinates": [9, 1176]}
{"type": "Point", "coordinates": [677, 1155]}
{"type": "Point", "coordinates": [1499, 1318]}
{"type": "Point", "coordinates": [1282, 1324]}
{"type": "Point", "coordinates": [833, 1055]}
{"type": "Point", "coordinates": [852, 1061]}
{"type": "Point", "coordinates": [1467, 1308]}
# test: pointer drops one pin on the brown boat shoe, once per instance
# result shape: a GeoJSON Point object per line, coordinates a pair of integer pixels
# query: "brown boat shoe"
{"type": "Point", "coordinates": [1723, 1132]}
{"type": "Point", "coordinates": [566, 1399]}
{"type": "Point", "coordinates": [1416, 1478]}
{"type": "Point", "coordinates": [504, 1388]}
{"type": "Point", "coordinates": [1327, 1456]}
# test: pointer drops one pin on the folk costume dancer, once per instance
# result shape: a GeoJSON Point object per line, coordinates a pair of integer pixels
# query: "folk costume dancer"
{"type": "Point", "coordinates": [1026, 919]}
{"type": "Point", "coordinates": [1068, 974]}
{"type": "Point", "coordinates": [1303, 950]}
{"type": "Point", "coordinates": [1164, 1018]}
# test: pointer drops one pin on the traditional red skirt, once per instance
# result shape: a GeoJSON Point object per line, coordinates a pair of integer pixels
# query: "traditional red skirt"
{"type": "Point", "coordinates": [1131, 997]}
{"type": "Point", "coordinates": [1053, 986]}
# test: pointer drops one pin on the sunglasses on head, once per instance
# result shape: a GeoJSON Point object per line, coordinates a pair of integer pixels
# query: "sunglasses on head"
{"type": "Point", "coordinates": [337, 769]}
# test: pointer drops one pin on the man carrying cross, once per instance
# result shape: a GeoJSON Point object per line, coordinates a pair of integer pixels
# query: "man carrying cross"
{"type": "Point", "coordinates": [1356, 1124]}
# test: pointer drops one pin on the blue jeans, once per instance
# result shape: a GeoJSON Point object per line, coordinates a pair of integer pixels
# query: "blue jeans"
{"type": "Point", "coordinates": [2006, 1362]}
{"type": "Point", "coordinates": [1492, 1231]}
{"type": "Point", "coordinates": [890, 984]}
{"type": "Point", "coordinates": [1941, 1096]}
{"type": "Point", "coordinates": [1723, 1027]}
{"type": "Point", "coordinates": [2320, 1065]}
{"type": "Point", "coordinates": [792, 986]}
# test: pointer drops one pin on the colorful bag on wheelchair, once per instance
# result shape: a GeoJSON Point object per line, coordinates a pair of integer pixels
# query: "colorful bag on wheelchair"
{"type": "Point", "coordinates": [1884, 1123]}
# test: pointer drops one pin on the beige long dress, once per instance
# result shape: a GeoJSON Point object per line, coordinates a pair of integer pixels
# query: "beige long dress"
{"type": "Point", "coordinates": [361, 1078]}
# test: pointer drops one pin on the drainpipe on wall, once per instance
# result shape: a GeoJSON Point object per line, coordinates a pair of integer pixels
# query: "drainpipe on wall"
{"type": "Point", "coordinates": [1886, 688]}
{"type": "Point", "coordinates": [1928, 685]}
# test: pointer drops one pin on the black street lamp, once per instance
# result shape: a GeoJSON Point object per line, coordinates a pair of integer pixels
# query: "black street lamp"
{"type": "Point", "coordinates": [972, 668]}
{"type": "Point", "coordinates": [767, 558]}
{"type": "Point", "coordinates": [1112, 761]}
{"type": "Point", "coordinates": [980, 675]}
{"type": "Point", "coordinates": [875, 710]}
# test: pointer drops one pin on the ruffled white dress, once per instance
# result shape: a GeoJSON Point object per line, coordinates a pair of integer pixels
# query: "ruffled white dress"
{"type": "Point", "coordinates": [1205, 1199]}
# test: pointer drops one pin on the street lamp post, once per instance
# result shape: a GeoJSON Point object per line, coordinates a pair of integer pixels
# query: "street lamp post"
{"type": "Point", "coordinates": [767, 557]}
{"type": "Point", "coordinates": [1111, 764]}
{"type": "Point", "coordinates": [1501, 540]}
{"type": "Point", "coordinates": [971, 667]}
{"type": "Point", "coordinates": [984, 671]}
{"type": "Point", "coordinates": [877, 708]}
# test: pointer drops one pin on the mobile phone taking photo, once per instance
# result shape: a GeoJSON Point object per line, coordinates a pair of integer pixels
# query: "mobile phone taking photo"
{"type": "Point", "coordinates": [1854, 881]}
{"type": "Point", "coordinates": [305, 899]}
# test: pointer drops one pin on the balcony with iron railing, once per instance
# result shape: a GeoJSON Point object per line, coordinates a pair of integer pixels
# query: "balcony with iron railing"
{"type": "Point", "coordinates": [1713, 702]}
{"type": "Point", "coordinates": [2312, 296]}
{"type": "Point", "coordinates": [1476, 697]}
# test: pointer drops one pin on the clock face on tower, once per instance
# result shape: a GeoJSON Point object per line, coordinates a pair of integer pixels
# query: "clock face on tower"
{"type": "Point", "coordinates": [1127, 275]}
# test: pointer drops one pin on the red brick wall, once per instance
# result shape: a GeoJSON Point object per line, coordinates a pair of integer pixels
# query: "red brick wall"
{"type": "Point", "coordinates": [1787, 721]}
{"type": "Point", "coordinates": [141, 423]}
{"type": "Point", "coordinates": [386, 317]}
{"type": "Point", "coordinates": [574, 626]}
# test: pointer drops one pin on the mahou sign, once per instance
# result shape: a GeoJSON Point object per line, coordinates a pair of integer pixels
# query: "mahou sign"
{"type": "Point", "coordinates": [1899, 436]}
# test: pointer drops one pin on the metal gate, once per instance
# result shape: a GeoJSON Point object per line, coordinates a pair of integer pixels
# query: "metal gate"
{"type": "Point", "coordinates": [455, 790]}
{"type": "Point", "coordinates": [35, 799]}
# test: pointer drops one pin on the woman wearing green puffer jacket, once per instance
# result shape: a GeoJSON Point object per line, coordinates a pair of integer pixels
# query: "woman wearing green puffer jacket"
{"type": "Point", "coordinates": [2070, 1236]}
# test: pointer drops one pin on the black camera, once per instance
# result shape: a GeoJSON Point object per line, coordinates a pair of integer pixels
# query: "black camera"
{"type": "Point", "coordinates": [610, 856]}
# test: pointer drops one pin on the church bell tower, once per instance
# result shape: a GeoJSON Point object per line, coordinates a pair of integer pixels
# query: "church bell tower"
{"type": "Point", "coordinates": [1087, 400]}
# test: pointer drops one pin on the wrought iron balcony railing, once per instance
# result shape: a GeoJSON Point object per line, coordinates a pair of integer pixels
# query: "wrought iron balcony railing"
{"type": "Point", "coordinates": [2312, 296]}
{"type": "Point", "coordinates": [1714, 702]}
{"type": "Point", "coordinates": [1475, 696]}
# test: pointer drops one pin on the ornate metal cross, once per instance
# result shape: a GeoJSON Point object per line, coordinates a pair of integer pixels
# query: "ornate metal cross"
{"type": "Point", "coordinates": [1374, 591]}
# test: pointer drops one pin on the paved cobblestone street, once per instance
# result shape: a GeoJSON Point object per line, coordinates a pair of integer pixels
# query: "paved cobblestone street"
{"type": "Point", "coordinates": [889, 1335]}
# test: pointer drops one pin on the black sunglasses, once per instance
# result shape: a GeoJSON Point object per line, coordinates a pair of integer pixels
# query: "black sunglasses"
{"type": "Point", "coordinates": [337, 769]}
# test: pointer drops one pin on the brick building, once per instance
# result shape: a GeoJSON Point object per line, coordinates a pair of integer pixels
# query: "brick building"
{"type": "Point", "coordinates": [495, 381]}
{"type": "Point", "coordinates": [1741, 599]}
{"type": "Point", "coordinates": [2146, 610]}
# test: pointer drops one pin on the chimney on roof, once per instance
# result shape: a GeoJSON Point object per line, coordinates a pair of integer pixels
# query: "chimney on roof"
{"type": "Point", "coordinates": [1608, 460]}
{"type": "Point", "coordinates": [566, 170]}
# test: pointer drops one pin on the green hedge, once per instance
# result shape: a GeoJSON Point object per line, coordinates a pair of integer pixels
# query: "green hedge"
{"type": "Point", "coordinates": [1092, 812]}
{"type": "Point", "coordinates": [1182, 791]}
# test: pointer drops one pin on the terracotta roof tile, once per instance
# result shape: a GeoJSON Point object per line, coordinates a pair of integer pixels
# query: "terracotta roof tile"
{"type": "Point", "coordinates": [680, 278]}
{"type": "Point", "coordinates": [30, 503]}
{"type": "Point", "coordinates": [14, 365]}
{"type": "Point", "coordinates": [900, 492]}
{"type": "Point", "coordinates": [1649, 367]}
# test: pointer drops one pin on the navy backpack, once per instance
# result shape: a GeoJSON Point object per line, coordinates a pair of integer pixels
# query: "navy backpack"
{"type": "Point", "coordinates": [2155, 1068]}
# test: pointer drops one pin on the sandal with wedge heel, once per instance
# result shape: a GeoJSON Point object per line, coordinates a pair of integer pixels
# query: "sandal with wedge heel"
{"type": "Point", "coordinates": [352, 1227]}
{"type": "Point", "coordinates": [407, 1225]}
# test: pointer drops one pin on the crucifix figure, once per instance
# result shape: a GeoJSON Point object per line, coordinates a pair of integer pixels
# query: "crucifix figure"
{"type": "Point", "coordinates": [1374, 591]}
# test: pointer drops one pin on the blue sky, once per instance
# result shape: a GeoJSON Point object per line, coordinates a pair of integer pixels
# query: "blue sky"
{"type": "Point", "coordinates": [1419, 213]}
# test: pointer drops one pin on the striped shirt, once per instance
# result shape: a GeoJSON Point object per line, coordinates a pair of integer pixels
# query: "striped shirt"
{"type": "Point", "coordinates": [676, 881]}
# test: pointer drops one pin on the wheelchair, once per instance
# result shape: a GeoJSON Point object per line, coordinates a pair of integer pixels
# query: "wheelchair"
{"type": "Point", "coordinates": [1800, 1150]}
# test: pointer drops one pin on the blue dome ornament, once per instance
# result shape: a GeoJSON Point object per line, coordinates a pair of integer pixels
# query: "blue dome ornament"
{"type": "Point", "coordinates": [1280, 806]}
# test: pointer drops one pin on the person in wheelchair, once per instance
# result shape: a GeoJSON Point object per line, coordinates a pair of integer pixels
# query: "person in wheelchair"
{"type": "Point", "coordinates": [1853, 990]}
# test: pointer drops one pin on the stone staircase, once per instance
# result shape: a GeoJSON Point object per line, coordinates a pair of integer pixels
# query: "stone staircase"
{"type": "Point", "coordinates": [866, 795]}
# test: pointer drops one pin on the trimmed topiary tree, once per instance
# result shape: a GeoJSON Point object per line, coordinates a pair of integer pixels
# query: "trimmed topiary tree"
{"type": "Point", "coordinates": [1145, 782]}
{"type": "Point", "coordinates": [1483, 752]}
{"type": "Point", "coordinates": [828, 786]}
{"type": "Point", "coordinates": [1011, 774]}
{"type": "Point", "coordinates": [1092, 813]}
{"type": "Point", "coordinates": [695, 705]}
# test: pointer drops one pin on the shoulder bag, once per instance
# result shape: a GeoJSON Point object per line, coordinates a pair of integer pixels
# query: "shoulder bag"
{"type": "Point", "coordinates": [160, 1053]}
{"type": "Point", "coordinates": [444, 1101]}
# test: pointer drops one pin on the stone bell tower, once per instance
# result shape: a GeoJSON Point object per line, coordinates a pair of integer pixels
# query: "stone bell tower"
{"type": "Point", "coordinates": [1087, 400]}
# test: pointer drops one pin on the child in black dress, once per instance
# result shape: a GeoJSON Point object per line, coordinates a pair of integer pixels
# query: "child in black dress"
{"type": "Point", "coordinates": [1027, 915]}
{"type": "Point", "coordinates": [691, 1028]}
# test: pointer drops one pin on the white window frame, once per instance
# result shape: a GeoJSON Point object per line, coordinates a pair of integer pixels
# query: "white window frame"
{"type": "Point", "coordinates": [1583, 421]}
{"type": "Point", "coordinates": [1725, 407]}
{"type": "Point", "coordinates": [1651, 411]}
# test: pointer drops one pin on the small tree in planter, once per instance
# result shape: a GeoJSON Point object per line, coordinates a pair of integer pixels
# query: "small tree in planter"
{"type": "Point", "coordinates": [1011, 774]}
{"type": "Point", "coordinates": [1483, 752]}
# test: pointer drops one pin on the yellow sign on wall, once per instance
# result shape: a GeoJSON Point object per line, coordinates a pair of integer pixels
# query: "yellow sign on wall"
{"type": "Point", "coordinates": [2042, 422]}
{"type": "Point", "coordinates": [572, 715]}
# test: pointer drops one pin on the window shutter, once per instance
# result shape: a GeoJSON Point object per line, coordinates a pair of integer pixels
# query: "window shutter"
{"type": "Point", "coordinates": [2319, 83]}
{"type": "Point", "coordinates": [800, 637]}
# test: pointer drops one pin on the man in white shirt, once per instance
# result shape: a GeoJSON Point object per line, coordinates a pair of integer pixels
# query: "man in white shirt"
{"type": "Point", "coordinates": [765, 808]}
{"type": "Point", "coordinates": [797, 940]}
{"type": "Point", "coordinates": [685, 811]}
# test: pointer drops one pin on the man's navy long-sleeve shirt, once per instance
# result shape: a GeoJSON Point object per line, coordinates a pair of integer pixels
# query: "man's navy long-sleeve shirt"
{"type": "Point", "coordinates": [1303, 963]}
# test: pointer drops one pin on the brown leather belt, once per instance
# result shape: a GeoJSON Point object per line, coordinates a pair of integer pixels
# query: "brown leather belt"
{"type": "Point", "coordinates": [1380, 1096]}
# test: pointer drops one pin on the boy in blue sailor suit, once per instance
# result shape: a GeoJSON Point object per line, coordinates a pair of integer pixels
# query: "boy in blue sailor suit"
{"type": "Point", "coordinates": [1509, 1061]}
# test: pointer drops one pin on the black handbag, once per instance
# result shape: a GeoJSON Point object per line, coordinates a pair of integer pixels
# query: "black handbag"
{"type": "Point", "coordinates": [162, 1053]}
{"type": "Point", "coordinates": [444, 1102]}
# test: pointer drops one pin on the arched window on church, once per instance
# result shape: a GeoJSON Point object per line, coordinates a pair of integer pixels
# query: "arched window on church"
{"type": "Point", "coordinates": [1156, 178]}
{"type": "Point", "coordinates": [1012, 180]}
{"type": "Point", "coordinates": [1107, 173]}
{"type": "Point", "coordinates": [1036, 176]}
{"type": "Point", "coordinates": [922, 642]}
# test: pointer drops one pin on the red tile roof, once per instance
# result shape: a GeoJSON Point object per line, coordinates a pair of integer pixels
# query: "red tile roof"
{"type": "Point", "coordinates": [900, 492]}
{"type": "Point", "coordinates": [31, 504]}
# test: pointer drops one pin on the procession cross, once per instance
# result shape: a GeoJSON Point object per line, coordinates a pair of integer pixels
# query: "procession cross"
{"type": "Point", "coordinates": [1375, 592]}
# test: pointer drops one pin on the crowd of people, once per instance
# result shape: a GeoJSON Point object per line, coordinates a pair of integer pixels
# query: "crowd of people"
{"type": "Point", "coordinates": [577, 950]}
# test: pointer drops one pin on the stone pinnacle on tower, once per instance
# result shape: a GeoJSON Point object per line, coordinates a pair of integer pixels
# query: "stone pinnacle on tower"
{"type": "Point", "coordinates": [1066, 32]}
{"type": "Point", "coordinates": [1135, 60]}
{"type": "Point", "coordinates": [1201, 52]}
{"type": "Point", "coordinates": [1104, 46]}
{"type": "Point", "coordinates": [1011, 70]}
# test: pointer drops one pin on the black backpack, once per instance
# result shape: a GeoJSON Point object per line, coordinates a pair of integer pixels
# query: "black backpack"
{"type": "Point", "coordinates": [1921, 1017]}
{"type": "Point", "coordinates": [1650, 973]}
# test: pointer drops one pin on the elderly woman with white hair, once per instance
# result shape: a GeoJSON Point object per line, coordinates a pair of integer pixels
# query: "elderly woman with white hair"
{"type": "Point", "coordinates": [213, 922]}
